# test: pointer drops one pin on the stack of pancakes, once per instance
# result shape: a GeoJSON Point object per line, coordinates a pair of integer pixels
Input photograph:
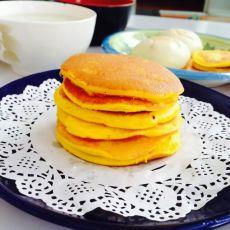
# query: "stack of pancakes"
{"type": "Point", "coordinates": [117, 110]}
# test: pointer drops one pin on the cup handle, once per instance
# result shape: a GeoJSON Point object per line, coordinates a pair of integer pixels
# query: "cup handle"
{"type": "Point", "coordinates": [6, 55]}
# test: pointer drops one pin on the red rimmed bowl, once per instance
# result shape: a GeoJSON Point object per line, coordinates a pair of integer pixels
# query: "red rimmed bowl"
{"type": "Point", "coordinates": [112, 16]}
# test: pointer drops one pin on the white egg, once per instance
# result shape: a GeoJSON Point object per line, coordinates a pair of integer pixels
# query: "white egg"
{"type": "Point", "coordinates": [190, 38]}
{"type": "Point", "coordinates": [165, 50]}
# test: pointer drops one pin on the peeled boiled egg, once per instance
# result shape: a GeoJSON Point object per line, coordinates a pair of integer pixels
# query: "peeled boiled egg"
{"type": "Point", "coordinates": [165, 50]}
{"type": "Point", "coordinates": [190, 38]}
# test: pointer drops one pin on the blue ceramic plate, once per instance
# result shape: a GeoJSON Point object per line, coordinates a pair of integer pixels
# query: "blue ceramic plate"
{"type": "Point", "coordinates": [123, 42]}
{"type": "Point", "coordinates": [214, 213]}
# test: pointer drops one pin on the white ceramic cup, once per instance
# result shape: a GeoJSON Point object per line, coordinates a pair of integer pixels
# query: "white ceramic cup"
{"type": "Point", "coordinates": [36, 36]}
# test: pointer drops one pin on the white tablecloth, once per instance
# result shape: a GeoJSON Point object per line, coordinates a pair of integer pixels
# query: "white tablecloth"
{"type": "Point", "coordinates": [12, 218]}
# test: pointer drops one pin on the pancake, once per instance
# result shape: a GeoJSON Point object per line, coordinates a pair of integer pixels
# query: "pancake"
{"type": "Point", "coordinates": [121, 75]}
{"type": "Point", "coordinates": [84, 129]}
{"type": "Point", "coordinates": [119, 152]}
{"type": "Point", "coordinates": [211, 69]}
{"type": "Point", "coordinates": [212, 58]}
{"type": "Point", "coordinates": [141, 120]}
{"type": "Point", "coordinates": [111, 103]}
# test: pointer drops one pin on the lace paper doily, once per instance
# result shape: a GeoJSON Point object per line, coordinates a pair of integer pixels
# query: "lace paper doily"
{"type": "Point", "coordinates": [161, 190]}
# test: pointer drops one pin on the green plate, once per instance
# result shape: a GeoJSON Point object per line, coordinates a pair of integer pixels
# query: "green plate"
{"type": "Point", "coordinates": [123, 42]}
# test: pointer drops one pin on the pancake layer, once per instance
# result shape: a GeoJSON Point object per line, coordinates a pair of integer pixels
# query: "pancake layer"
{"type": "Point", "coordinates": [84, 129]}
{"type": "Point", "coordinates": [111, 103]}
{"type": "Point", "coordinates": [141, 120]}
{"type": "Point", "coordinates": [118, 152]}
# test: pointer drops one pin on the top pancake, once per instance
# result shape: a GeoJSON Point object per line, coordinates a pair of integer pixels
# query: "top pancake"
{"type": "Point", "coordinates": [122, 76]}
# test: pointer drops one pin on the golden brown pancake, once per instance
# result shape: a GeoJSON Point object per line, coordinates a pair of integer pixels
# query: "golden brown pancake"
{"type": "Point", "coordinates": [111, 103]}
{"type": "Point", "coordinates": [212, 58]}
{"type": "Point", "coordinates": [84, 129]}
{"type": "Point", "coordinates": [122, 75]}
{"type": "Point", "coordinates": [141, 120]}
{"type": "Point", "coordinates": [210, 69]}
{"type": "Point", "coordinates": [118, 152]}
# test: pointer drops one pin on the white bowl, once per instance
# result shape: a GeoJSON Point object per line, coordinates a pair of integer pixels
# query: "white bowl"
{"type": "Point", "coordinates": [37, 36]}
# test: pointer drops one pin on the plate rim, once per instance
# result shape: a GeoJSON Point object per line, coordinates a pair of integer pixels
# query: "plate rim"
{"type": "Point", "coordinates": [11, 196]}
{"type": "Point", "coordinates": [55, 217]}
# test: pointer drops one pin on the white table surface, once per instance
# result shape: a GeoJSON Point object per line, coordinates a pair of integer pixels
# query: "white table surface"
{"type": "Point", "coordinates": [12, 218]}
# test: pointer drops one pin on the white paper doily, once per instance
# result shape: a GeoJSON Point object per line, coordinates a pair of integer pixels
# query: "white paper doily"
{"type": "Point", "coordinates": [161, 190]}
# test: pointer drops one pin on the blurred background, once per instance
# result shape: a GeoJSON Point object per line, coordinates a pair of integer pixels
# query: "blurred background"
{"type": "Point", "coordinates": [215, 10]}
{"type": "Point", "coordinates": [218, 10]}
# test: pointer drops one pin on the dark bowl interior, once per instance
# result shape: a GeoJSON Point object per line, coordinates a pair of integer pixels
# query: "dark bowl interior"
{"type": "Point", "coordinates": [110, 19]}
